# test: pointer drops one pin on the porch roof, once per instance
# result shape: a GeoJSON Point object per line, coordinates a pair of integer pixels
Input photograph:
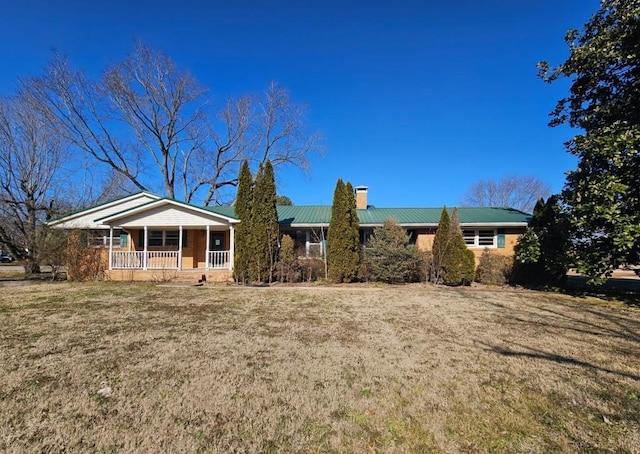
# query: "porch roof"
{"type": "Point", "coordinates": [166, 212]}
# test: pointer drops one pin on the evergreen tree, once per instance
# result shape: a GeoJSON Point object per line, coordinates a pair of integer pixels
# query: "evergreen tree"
{"type": "Point", "coordinates": [603, 194]}
{"type": "Point", "coordinates": [440, 247]}
{"type": "Point", "coordinates": [458, 262]}
{"type": "Point", "coordinates": [542, 253]}
{"type": "Point", "coordinates": [389, 257]}
{"type": "Point", "coordinates": [352, 263]}
{"type": "Point", "coordinates": [243, 210]}
{"type": "Point", "coordinates": [264, 226]}
{"type": "Point", "coordinates": [287, 259]}
{"type": "Point", "coordinates": [343, 242]}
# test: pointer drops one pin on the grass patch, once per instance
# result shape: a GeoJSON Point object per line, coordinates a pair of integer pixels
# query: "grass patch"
{"type": "Point", "coordinates": [320, 369]}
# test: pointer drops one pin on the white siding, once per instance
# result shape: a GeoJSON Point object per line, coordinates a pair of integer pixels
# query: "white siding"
{"type": "Point", "coordinates": [169, 216]}
{"type": "Point", "coordinates": [86, 219]}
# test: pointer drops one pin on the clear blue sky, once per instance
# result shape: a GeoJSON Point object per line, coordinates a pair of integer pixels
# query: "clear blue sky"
{"type": "Point", "coordinates": [415, 99]}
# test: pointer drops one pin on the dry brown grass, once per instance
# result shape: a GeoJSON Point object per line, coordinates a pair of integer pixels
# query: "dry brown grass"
{"type": "Point", "coordinates": [350, 369]}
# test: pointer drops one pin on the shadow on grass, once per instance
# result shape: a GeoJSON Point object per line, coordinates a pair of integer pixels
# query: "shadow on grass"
{"type": "Point", "coordinates": [547, 356]}
{"type": "Point", "coordinates": [618, 289]}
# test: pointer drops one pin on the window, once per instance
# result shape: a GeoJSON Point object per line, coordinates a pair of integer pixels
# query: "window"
{"type": "Point", "coordinates": [164, 238]}
{"type": "Point", "coordinates": [100, 238]}
{"type": "Point", "coordinates": [479, 237]}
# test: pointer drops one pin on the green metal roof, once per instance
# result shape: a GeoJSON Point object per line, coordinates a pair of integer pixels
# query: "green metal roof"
{"type": "Point", "coordinates": [313, 215]}
{"type": "Point", "coordinates": [321, 214]}
{"type": "Point", "coordinates": [229, 212]}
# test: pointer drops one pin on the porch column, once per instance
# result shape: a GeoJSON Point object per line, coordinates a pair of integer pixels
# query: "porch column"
{"type": "Point", "coordinates": [206, 252]}
{"type": "Point", "coordinates": [232, 246]}
{"type": "Point", "coordinates": [110, 246]}
{"type": "Point", "coordinates": [306, 244]}
{"type": "Point", "coordinates": [180, 247]}
{"type": "Point", "coordinates": [144, 253]}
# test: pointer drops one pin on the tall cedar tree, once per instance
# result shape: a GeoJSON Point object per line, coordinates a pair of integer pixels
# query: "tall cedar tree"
{"type": "Point", "coordinates": [458, 261]}
{"type": "Point", "coordinates": [440, 247]}
{"type": "Point", "coordinates": [352, 269]}
{"type": "Point", "coordinates": [243, 210]}
{"type": "Point", "coordinates": [264, 226]}
{"type": "Point", "coordinates": [343, 242]}
{"type": "Point", "coordinates": [603, 194]}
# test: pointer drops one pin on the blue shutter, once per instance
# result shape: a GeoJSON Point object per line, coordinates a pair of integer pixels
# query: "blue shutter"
{"type": "Point", "coordinates": [123, 239]}
{"type": "Point", "coordinates": [501, 238]}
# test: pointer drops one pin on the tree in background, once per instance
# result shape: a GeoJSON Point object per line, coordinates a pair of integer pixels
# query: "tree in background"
{"type": "Point", "coordinates": [31, 158]}
{"type": "Point", "coordinates": [388, 256]}
{"type": "Point", "coordinates": [243, 210]}
{"type": "Point", "coordinates": [603, 194]}
{"type": "Point", "coordinates": [283, 200]}
{"type": "Point", "coordinates": [458, 261]}
{"type": "Point", "coordinates": [151, 122]}
{"type": "Point", "coordinates": [512, 191]}
{"type": "Point", "coordinates": [543, 252]}
{"type": "Point", "coordinates": [264, 226]}
{"type": "Point", "coordinates": [343, 242]}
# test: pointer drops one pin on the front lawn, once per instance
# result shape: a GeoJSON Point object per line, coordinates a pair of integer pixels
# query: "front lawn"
{"type": "Point", "coordinates": [115, 367]}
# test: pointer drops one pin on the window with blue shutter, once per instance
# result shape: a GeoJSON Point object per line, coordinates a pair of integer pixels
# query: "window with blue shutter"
{"type": "Point", "coordinates": [501, 238]}
{"type": "Point", "coordinates": [124, 239]}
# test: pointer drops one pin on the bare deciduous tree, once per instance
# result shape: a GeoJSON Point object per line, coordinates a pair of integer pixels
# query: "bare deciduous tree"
{"type": "Point", "coordinates": [31, 156]}
{"type": "Point", "coordinates": [512, 191]}
{"type": "Point", "coordinates": [150, 121]}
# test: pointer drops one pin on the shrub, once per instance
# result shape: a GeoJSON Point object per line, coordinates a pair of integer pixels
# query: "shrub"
{"type": "Point", "coordinates": [287, 263]}
{"type": "Point", "coordinates": [494, 269]}
{"type": "Point", "coordinates": [390, 258]}
{"type": "Point", "coordinates": [84, 262]}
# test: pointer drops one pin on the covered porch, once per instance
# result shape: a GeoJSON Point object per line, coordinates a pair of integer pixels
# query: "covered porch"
{"type": "Point", "coordinates": [173, 249]}
{"type": "Point", "coordinates": [172, 236]}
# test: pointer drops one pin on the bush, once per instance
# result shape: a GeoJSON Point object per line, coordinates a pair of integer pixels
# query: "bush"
{"type": "Point", "coordinates": [494, 269]}
{"type": "Point", "coordinates": [389, 258]}
{"type": "Point", "coordinates": [310, 269]}
{"type": "Point", "coordinates": [287, 264]}
{"type": "Point", "coordinates": [84, 262]}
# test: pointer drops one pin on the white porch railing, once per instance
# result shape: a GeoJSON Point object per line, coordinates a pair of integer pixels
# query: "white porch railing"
{"type": "Point", "coordinates": [155, 260]}
{"type": "Point", "coordinates": [158, 260]}
{"type": "Point", "coordinates": [218, 260]}
{"type": "Point", "coordinates": [127, 259]}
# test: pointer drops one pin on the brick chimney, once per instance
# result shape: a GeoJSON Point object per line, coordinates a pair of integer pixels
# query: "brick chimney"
{"type": "Point", "coordinates": [361, 197]}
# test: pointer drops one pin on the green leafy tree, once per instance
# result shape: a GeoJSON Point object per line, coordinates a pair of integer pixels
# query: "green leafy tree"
{"type": "Point", "coordinates": [543, 251]}
{"type": "Point", "coordinates": [389, 257]}
{"type": "Point", "coordinates": [603, 194]}
{"type": "Point", "coordinates": [264, 226]}
{"type": "Point", "coordinates": [343, 241]}
{"type": "Point", "coordinates": [283, 200]}
{"type": "Point", "coordinates": [243, 210]}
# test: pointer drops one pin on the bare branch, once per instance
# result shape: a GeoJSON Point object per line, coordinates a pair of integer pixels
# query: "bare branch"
{"type": "Point", "coordinates": [512, 191]}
